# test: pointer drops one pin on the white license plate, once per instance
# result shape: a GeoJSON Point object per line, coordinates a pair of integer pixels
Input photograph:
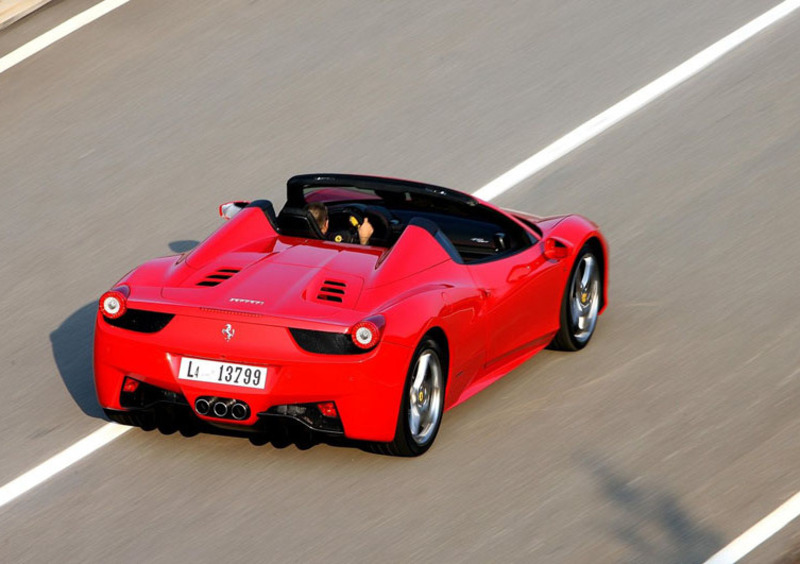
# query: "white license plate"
{"type": "Point", "coordinates": [225, 373]}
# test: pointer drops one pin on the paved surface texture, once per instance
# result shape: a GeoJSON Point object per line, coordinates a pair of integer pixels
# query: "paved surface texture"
{"type": "Point", "coordinates": [673, 432]}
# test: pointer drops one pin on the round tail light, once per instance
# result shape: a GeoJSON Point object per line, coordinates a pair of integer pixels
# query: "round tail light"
{"type": "Point", "coordinates": [113, 304]}
{"type": "Point", "coordinates": [365, 334]}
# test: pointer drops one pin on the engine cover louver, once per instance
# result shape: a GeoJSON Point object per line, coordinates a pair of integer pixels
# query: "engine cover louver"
{"type": "Point", "coordinates": [218, 277]}
{"type": "Point", "coordinates": [332, 291]}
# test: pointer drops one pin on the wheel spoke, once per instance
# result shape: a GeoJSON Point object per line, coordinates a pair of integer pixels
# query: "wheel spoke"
{"type": "Point", "coordinates": [424, 419]}
{"type": "Point", "coordinates": [422, 369]}
{"type": "Point", "coordinates": [588, 272]}
{"type": "Point", "coordinates": [413, 419]}
{"type": "Point", "coordinates": [593, 291]}
{"type": "Point", "coordinates": [575, 310]}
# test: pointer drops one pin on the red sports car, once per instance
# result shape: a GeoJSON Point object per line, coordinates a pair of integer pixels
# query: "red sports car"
{"type": "Point", "coordinates": [271, 325]}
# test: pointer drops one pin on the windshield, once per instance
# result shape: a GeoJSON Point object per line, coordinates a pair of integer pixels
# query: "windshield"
{"type": "Point", "coordinates": [338, 194]}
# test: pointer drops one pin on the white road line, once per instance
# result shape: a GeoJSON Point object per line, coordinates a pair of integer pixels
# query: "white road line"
{"type": "Point", "coordinates": [758, 533]}
{"type": "Point", "coordinates": [59, 32]}
{"type": "Point", "coordinates": [61, 461]}
{"type": "Point", "coordinates": [592, 128]}
{"type": "Point", "coordinates": [634, 102]}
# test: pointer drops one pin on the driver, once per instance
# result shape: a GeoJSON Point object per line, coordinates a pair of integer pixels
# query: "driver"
{"type": "Point", "coordinates": [320, 214]}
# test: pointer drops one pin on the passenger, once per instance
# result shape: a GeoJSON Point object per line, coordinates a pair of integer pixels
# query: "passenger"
{"type": "Point", "coordinates": [320, 214]}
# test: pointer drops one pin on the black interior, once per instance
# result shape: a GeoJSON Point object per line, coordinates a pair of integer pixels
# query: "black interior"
{"type": "Point", "coordinates": [477, 232]}
{"type": "Point", "coordinates": [478, 237]}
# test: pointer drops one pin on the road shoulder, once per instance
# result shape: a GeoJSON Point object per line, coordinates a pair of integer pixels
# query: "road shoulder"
{"type": "Point", "coordinates": [13, 10]}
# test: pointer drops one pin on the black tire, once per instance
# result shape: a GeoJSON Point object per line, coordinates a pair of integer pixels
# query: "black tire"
{"type": "Point", "coordinates": [570, 336]}
{"type": "Point", "coordinates": [406, 442]}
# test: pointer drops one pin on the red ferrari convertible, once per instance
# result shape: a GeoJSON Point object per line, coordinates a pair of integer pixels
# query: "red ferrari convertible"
{"type": "Point", "coordinates": [273, 325]}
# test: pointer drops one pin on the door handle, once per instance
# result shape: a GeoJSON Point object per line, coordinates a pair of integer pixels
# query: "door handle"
{"type": "Point", "coordinates": [519, 272]}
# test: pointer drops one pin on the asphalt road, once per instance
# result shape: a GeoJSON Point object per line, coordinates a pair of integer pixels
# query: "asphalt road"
{"type": "Point", "coordinates": [672, 433]}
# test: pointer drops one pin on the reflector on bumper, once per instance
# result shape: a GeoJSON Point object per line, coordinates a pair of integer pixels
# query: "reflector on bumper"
{"type": "Point", "coordinates": [310, 415]}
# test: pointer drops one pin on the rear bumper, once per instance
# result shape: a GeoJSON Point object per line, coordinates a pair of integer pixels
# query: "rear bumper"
{"type": "Point", "coordinates": [173, 416]}
{"type": "Point", "coordinates": [366, 388]}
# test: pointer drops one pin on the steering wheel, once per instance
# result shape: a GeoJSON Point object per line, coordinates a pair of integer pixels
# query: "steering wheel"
{"type": "Point", "coordinates": [356, 211]}
{"type": "Point", "coordinates": [381, 224]}
{"type": "Point", "coordinates": [377, 217]}
{"type": "Point", "coordinates": [355, 217]}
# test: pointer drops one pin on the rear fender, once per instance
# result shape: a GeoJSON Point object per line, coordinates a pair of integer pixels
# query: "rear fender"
{"type": "Point", "coordinates": [408, 319]}
{"type": "Point", "coordinates": [456, 313]}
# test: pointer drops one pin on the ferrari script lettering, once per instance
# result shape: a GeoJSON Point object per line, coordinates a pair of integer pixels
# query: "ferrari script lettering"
{"type": "Point", "coordinates": [246, 301]}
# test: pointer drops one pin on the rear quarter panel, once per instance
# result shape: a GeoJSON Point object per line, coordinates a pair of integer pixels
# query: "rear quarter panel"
{"type": "Point", "coordinates": [440, 298]}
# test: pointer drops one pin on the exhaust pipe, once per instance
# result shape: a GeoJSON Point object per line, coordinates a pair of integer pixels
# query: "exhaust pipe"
{"type": "Point", "coordinates": [240, 411]}
{"type": "Point", "coordinates": [202, 406]}
{"type": "Point", "coordinates": [221, 407]}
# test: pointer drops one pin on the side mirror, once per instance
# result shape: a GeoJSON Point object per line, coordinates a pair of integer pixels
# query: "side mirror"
{"type": "Point", "coordinates": [230, 209]}
{"type": "Point", "coordinates": [556, 249]}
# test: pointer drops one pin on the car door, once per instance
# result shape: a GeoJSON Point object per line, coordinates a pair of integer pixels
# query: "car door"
{"type": "Point", "coordinates": [522, 294]}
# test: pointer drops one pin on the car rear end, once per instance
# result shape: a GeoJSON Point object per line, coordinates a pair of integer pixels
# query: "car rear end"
{"type": "Point", "coordinates": [161, 363]}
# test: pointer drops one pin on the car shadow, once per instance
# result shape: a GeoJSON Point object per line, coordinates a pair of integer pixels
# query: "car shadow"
{"type": "Point", "coordinates": [72, 350]}
{"type": "Point", "coordinates": [651, 523]}
{"type": "Point", "coordinates": [72, 345]}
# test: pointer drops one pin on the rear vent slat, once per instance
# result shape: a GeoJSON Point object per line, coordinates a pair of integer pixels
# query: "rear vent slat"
{"type": "Point", "coordinates": [332, 291]}
{"type": "Point", "coordinates": [217, 277]}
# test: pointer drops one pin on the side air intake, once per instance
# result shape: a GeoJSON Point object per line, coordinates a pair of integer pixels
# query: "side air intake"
{"type": "Point", "coordinates": [218, 277]}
